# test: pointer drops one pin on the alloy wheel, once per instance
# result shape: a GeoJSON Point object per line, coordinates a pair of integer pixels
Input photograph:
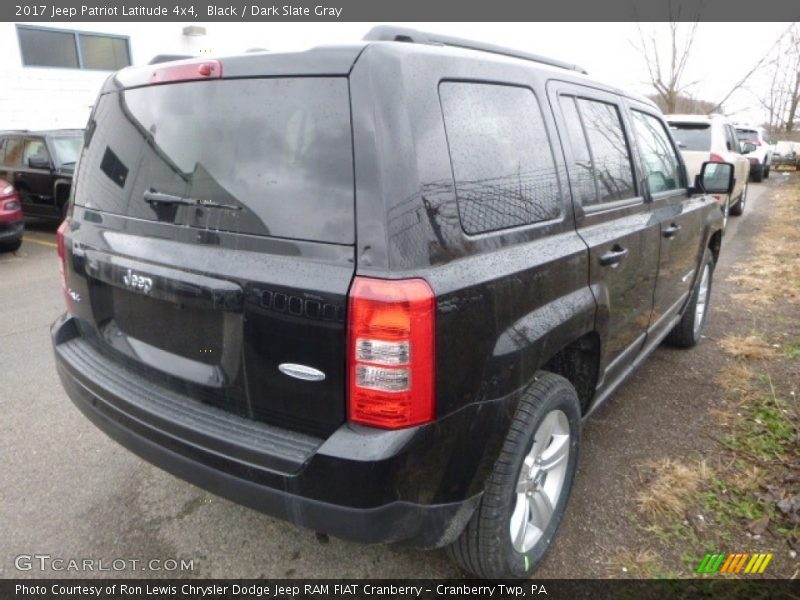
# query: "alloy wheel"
{"type": "Point", "coordinates": [702, 300]}
{"type": "Point", "coordinates": [541, 481]}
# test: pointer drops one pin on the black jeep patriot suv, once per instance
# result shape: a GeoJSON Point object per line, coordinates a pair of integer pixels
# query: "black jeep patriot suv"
{"type": "Point", "coordinates": [374, 289]}
{"type": "Point", "coordinates": [40, 164]}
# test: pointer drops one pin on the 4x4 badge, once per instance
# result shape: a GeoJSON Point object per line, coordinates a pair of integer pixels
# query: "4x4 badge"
{"type": "Point", "coordinates": [137, 282]}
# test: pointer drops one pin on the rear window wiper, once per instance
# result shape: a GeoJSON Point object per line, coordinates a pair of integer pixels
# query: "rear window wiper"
{"type": "Point", "coordinates": [153, 197]}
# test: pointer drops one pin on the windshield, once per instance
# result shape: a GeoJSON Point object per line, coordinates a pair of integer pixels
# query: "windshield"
{"type": "Point", "coordinates": [260, 156]}
{"type": "Point", "coordinates": [692, 136]}
{"type": "Point", "coordinates": [67, 148]}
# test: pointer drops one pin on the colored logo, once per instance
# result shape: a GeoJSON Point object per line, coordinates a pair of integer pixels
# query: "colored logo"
{"type": "Point", "coordinates": [749, 564]}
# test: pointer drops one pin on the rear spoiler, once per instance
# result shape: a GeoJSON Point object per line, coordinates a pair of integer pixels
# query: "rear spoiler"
{"type": "Point", "coordinates": [332, 61]}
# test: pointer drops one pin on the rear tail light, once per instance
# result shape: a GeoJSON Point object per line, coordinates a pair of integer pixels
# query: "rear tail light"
{"type": "Point", "coordinates": [391, 352]}
{"type": "Point", "coordinates": [207, 69]}
{"type": "Point", "coordinates": [62, 261]}
{"type": "Point", "coordinates": [716, 158]}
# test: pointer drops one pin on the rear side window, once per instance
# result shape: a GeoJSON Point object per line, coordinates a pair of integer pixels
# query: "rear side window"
{"type": "Point", "coordinates": [13, 152]}
{"type": "Point", "coordinates": [661, 165]}
{"type": "Point", "coordinates": [261, 156]}
{"type": "Point", "coordinates": [692, 136]}
{"type": "Point", "coordinates": [503, 166]}
{"type": "Point", "coordinates": [612, 162]}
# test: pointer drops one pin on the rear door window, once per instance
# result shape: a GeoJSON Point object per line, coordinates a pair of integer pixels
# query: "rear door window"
{"type": "Point", "coordinates": [503, 165]}
{"type": "Point", "coordinates": [260, 156]}
{"type": "Point", "coordinates": [612, 161]}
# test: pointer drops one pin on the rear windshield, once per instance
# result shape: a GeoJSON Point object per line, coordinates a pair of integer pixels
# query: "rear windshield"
{"type": "Point", "coordinates": [692, 136]}
{"type": "Point", "coordinates": [746, 134]}
{"type": "Point", "coordinates": [260, 156]}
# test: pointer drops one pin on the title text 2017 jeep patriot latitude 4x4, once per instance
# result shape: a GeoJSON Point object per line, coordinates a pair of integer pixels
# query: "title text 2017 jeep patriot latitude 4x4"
{"type": "Point", "coordinates": [374, 289]}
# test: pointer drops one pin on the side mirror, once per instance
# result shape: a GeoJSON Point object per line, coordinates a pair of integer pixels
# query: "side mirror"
{"type": "Point", "coordinates": [715, 178]}
{"type": "Point", "coordinates": [747, 148]}
{"type": "Point", "coordinates": [39, 162]}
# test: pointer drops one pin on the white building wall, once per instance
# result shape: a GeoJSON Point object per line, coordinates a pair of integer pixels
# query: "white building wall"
{"type": "Point", "coordinates": [44, 98]}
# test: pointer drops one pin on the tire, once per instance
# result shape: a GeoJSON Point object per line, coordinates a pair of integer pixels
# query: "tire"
{"type": "Point", "coordinates": [737, 209]}
{"type": "Point", "coordinates": [12, 246]}
{"type": "Point", "coordinates": [485, 547]}
{"type": "Point", "coordinates": [758, 174]}
{"type": "Point", "coordinates": [688, 330]}
{"type": "Point", "coordinates": [766, 171]}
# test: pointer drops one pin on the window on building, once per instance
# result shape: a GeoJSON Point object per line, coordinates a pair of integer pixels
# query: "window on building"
{"type": "Point", "coordinates": [504, 171]}
{"type": "Point", "coordinates": [104, 52]}
{"type": "Point", "coordinates": [72, 49]}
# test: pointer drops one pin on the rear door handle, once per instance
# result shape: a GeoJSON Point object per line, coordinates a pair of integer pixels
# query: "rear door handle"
{"type": "Point", "coordinates": [614, 256]}
{"type": "Point", "coordinates": [671, 231]}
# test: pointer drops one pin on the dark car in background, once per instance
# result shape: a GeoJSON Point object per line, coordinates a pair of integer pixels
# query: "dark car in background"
{"type": "Point", "coordinates": [40, 164]}
{"type": "Point", "coordinates": [375, 289]}
{"type": "Point", "coordinates": [12, 224]}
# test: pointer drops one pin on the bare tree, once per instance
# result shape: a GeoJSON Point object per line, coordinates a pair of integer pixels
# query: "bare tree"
{"type": "Point", "coordinates": [794, 95]}
{"type": "Point", "coordinates": [780, 96]}
{"type": "Point", "coordinates": [685, 104]}
{"type": "Point", "coordinates": [738, 85]}
{"type": "Point", "coordinates": [667, 73]}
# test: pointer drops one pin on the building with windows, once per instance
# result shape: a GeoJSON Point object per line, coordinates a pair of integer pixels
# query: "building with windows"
{"type": "Point", "coordinates": [50, 75]}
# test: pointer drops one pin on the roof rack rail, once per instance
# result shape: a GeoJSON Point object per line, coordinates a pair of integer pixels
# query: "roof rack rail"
{"type": "Point", "coordinates": [388, 33]}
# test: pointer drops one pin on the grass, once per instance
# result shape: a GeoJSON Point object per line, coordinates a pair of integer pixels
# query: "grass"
{"type": "Point", "coordinates": [740, 492]}
{"type": "Point", "coordinates": [792, 349]}
{"type": "Point", "coordinates": [775, 274]}
{"type": "Point", "coordinates": [670, 487]}
{"type": "Point", "coordinates": [640, 564]}
{"type": "Point", "coordinates": [749, 347]}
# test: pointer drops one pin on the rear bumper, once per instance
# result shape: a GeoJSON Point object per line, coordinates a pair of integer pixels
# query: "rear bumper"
{"type": "Point", "coordinates": [418, 486]}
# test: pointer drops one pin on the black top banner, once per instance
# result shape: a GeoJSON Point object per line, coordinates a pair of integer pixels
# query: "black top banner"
{"type": "Point", "coordinates": [407, 10]}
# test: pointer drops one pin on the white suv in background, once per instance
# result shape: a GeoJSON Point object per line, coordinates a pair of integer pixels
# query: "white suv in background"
{"type": "Point", "coordinates": [703, 138]}
{"type": "Point", "coordinates": [761, 157]}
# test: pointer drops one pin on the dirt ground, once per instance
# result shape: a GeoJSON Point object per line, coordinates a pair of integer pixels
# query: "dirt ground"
{"type": "Point", "coordinates": [673, 474]}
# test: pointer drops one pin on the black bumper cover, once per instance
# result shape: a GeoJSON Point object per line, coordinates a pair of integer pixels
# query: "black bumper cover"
{"type": "Point", "coordinates": [285, 494]}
